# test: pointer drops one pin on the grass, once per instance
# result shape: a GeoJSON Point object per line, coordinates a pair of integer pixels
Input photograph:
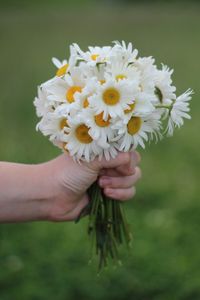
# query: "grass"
{"type": "Point", "coordinates": [50, 261]}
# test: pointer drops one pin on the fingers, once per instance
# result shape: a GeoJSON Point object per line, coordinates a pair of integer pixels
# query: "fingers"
{"type": "Point", "coordinates": [79, 209]}
{"type": "Point", "coordinates": [122, 158]}
{"type": "Point", "coordinates": [129, 168]}
{"type": "Point", "coordinates": [120, 194]}
{"type": "Point", "coordinates": [121, 187]}
{"type": "Point", "coordinates": [118, 176]}
{"type": "Point", "coordinates": [126, 169]}
{"type": "Point", "coordinates": [120, 181]}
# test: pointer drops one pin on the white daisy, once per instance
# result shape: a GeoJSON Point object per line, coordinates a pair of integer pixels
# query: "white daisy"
{"type": "Point", "coordinates": [64, 90]}
{"type": "Point", "coordinates": [143, 105]}
{"type": "Point", "coordinates": [62, 66]}
{"type": "Point", "coordinates": [79, 142]}
{"type": "Point", "coordinates": [96, 72]}
{"type": "Point", "coordinates": [113, 97]}
{"type": "Point", "coordinates": [95, 55]}
{"type": "Point", "coordinates": [147, 69]}
{"type": "Point", "coordinates": [82, 99]}
{"type": "Point", "coordinates": [100, 129]}
{"type": "Point", "coordinates": [134, 131]}
{"type": "Point", "coordinates": [65, 110]}
{"type": "Point", "coordinates": [123, 52]}
{"type": "Point", "coordinates": [65, 66]}
{"type": "Point", "coordinates": [107, 100]}
{"type": "Point", "coordinates": [119, 70]}
{"type": "Point", "coordinates": [54, 125]}
{"type": "Point", "coordinates": [164, 90]}
{"type": "Point", "coordinates": [179, 111]}
{"type": "Point", "coordinates": [48, 83]}
{"type": "Point", "coordinates": [42, 104]}
{"type": "Point", "coordinates": [154, 123]}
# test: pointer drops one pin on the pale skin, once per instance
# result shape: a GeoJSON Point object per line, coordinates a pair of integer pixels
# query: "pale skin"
{"type": "Point", "coordinates": [57, 190]}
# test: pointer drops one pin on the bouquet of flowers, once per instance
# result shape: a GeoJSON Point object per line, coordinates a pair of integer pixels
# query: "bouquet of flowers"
{"type": "Point", "coordinates": [100, 102]}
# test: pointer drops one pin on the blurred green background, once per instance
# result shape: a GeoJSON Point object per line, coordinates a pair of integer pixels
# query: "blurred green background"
{"type": "Point", "coordinates": [50, 261]}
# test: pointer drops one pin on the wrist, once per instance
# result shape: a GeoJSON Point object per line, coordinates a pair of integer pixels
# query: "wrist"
{"type": "Point", "coordinates": [55, 195]}
{"type": "Point", "coordinates": [45, 191]}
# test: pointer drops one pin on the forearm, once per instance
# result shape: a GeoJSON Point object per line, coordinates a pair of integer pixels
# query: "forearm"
{"type": "Point", "coordinates": [57, 190]}
{"type": "Point", "coordinates": [24, 191]}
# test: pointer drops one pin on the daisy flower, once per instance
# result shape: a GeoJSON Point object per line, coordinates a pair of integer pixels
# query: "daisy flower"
{"type": "Point", "coordinates": [108, 99]}
{"type": "Point", "coordinates": [134, 131]}
{"type": "Point", "coordinates": [64, 90]}
{"type": "Point", "coordinates": [119, 70]}
{"type": "Point", "coordinates": [100, 128]}
{"type": "Point", "coordinates": [124, 52]}
{"type": "Point", "coordinates": [147, 69]}
{"type": "Point", "coordinates": [79, 142]}
{"type": "Point", "coordinates": [143, 105]}
{"type": "Point", "coordinates": [42, 104]}
{"type": "Point", "coordinates": [54, 126]}
{"type": "Point", "coordinates": [94, 56]}
{"type": "Point", "coordinates": [65, 66]}
{"type": "Point", "coordinates": [164, 90]}
{"type": "Point", "coordinates": [82, 99]}
{"type": "Point", "coordinates": [113, 97]}
{"type": "Point", "coordinates": [179, 111]}
{"type": "Point", "coordinates": [62, 66]}
{"type": "Point", "coordinates": [97, 72]}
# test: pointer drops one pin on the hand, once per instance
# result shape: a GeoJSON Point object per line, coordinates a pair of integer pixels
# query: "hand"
{"type": "Point", "coordinates": [71, 180]}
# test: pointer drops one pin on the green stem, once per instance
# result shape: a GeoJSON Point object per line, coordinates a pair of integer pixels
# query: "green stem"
{"type": "Point", "coordinates": [107, 226]}
{"type": "Point", "coordinates": [163, 106]}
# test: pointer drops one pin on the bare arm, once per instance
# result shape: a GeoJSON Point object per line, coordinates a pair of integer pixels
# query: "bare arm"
{"type": "Point", "coordinates": [24, 191]}
{"type": "Point", "coordinates": [57, 190]}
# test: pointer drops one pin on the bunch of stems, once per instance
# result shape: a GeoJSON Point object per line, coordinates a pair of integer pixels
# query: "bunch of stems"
{"type": "Point", "coordinates": [107, 226]}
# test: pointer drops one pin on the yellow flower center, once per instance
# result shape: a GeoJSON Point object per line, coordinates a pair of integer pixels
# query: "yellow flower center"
{"type": "Point", "coordinates": [62, 71]}
{"type": "Point", "coordinates": [120, 77]}
{"type": "Point", "coordinates": [102, 81]}
{"type": "Point", "coordinates": [111, 96]}
{"type": "Point", "coordinates": [134, 125]}
{"type": "Point", "coordinates": [63, 123]}
{"type": "Point", "coordinates": [71, 91]}
{"type": "Point", "coordinates": [85, 103]}
{"type": "Point", "coordinates": [100, 121]}
{"type": "Point", "coordinates": [82, 134]}
{"type": "Point", "coordinates": [94, 56]}
{"type": "Point", "coordinates": [131, 108]}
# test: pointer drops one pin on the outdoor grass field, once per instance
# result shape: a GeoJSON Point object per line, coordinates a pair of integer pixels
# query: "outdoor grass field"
{"type": "Point", "coordinates": [40, 261]}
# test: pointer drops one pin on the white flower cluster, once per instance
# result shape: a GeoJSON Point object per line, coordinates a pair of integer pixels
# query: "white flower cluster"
{"type": "Point", "coordinates": [106, 100]}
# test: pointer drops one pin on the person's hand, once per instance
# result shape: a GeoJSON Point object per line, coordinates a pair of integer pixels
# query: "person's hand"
{"type": "Point", "coordinates": [71, 180]}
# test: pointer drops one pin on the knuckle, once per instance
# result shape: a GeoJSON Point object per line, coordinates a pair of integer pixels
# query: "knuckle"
{"type": "Point", "coordinates": [130, 171]}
